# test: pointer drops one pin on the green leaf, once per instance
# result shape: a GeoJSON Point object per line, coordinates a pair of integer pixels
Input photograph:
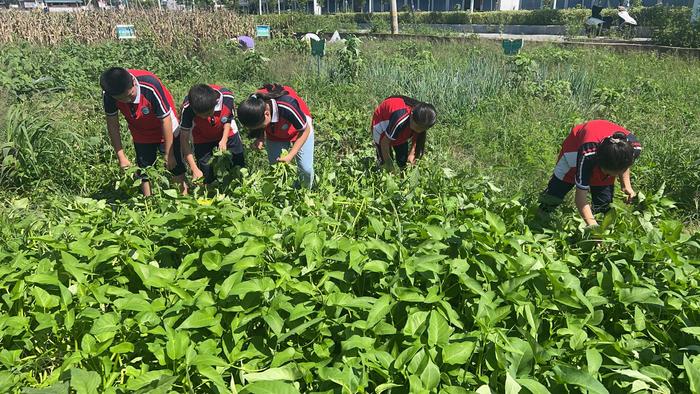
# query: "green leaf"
{"type": "Point", "coordinates": [579, 378]}
{"type": "Point", "coordinates": [637, 375]}
{"type": "Point", "coordinates": [124, 347]}
{"type": "Point", "coordinates": [639, 321]}
{"type": "Point", "coordinates": [438, 330]}
{"type": "Point", "coordinates": [385, 386]}
{"type": "Point", "coordinates": [44, 299]}
{"type": "Point", "coordinates": [357, 342]}
{"type": "Point", "coordinates": [105, 327]}
{"type": "Point", "coordinates": [692, 331]}
{"type": "Point", "coordinates": [496, 223]}
{"type": "Point", "coordinates": [84, 382]}
{"type": "Point", "coordinates": [269, 387]}
{"type": "Point", "coordinates": [457, 353]}
{"type": "Point", "coordinates": [594, 360]}
{"type": "Point", "coordinates": [512, 386]}
{"type": "Point", "coordinates": [213, 376]}
{"type": "Point", "coordinates": [380, 309]}
{"type": "Point", "coordinates": [692, 372]}
{"type": "Point", "coordinates": [484, 389]}
{"type": "Point", "coordinates": [211, 259]}
{"type": "Point", "coordinates": [287, 373]}
{"type": "Point", "coordinates": [177, 345]}
{"type": "Point", "coordinates": [415, 323]}
{"type": "Point", "coordinates": [533, 386]}
{"type": "Point", "coordinates": [430, 376]}
{"type": "Point", "coordinates": [199, 319]}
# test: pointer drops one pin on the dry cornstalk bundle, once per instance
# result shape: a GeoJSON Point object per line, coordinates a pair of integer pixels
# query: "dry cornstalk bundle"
{"type": "Point", "coordinates": [168, 28]}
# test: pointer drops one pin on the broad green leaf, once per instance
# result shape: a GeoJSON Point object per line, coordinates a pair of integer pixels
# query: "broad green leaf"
{"type": "Point", "coordinates": [380, 309]}
{"type": "Point", "coordinates": [639, 321]}
{"type": "Point", "coordinates": [430, 377]}
{"type": "Point", "coordinates": [457, 353]}
{"type": "Point", "coordinates": [377, 266]}
{"type": "Point", "coordinates": [252, 286]}
{"type": "Point", "coordinates": [579, 378]}
{"type": "Point", "coordinates": [270, 387]}
{"type": "Point", "coordinates": [208, 360]}
{"type": "Point", "coordinates": [415, 323]}
{"type": "Point", "coordinates": [105, 327]}
{"type": "Point", "coordinates": [594, 360]}
{"type": "Point", "coordinates": [637, 375]}
{"type": "Point", "coordinates": [496, 223]}
{"type": "Point", "coordinates": [211, 374]}
{"type": "Point", "coordinates": [274, 321]}
{"type": "Point", "coordinates": [199, 319]}
{"type": "Point", "coordinates": [44, 299]}
{"type": "Point", "coordinates": [512, 386]}
{"type": "Point", "coordinates": [692, 331]}
{"type": "Point", "coordinates": [438, 330]}
{"type": "Point", "coordinates": [384, 387]}
{"type": "Point", "coordinates": [84, 382]}
{"type": "Point", "coordinates": [124, 347]}
{"type": "Point", "coordinates": [357, 342]}
{"type": "Point", "coordinates": [287, 373]}
{"type": "Point", "coordinates": [211, 259]}
{"type": "Point", "coordinates": [692, 373]}
{"type": "Point", "coordinates": [484, 389]}
{"type": "Point", "coordinates": [177, 345]}
{"type": "Point", "coordinates": [533, 386]}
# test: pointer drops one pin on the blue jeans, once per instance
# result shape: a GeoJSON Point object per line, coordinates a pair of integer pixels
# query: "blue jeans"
{"type": "Point", "coordinates": [305, 157]}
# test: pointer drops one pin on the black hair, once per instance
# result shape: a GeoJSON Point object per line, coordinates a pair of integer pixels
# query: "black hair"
{"type": "Point", "coordinates": [422, 113]}
{"type": "Point", "coordinates": [615, 153]}
{"type": "Point", "coordinates": [251, 111]}
{"type": "Point", "coordinates": [115, 81]}
{"type": "Point", "coordinates": [425, 115]}
{"type": "Point", "coordinates": [202, 98]}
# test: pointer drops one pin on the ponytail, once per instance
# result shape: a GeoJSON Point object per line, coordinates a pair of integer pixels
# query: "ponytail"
{"type": "Point", "coordinates": [251, 111]}
{"type": "Point", "coordinates": [615, 153]}
{"type": "Point", "coordinates": [422, 113]}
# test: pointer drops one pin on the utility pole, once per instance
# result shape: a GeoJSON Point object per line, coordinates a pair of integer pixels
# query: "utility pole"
{"type": "Point", "coordinates": [395, 17]}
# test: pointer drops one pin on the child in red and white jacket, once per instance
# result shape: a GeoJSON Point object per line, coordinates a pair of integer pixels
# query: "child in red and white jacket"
{"type": "Point", "coordinates": [397, 120]}
{"type": "Point", "coordinates": [149, 110]}
{"type": "Point", "coordinates": [208, 119]}
{"type": "Point", "coordinates": [593, 155]}
{"type": "Point", "coordinates": [279, 119]}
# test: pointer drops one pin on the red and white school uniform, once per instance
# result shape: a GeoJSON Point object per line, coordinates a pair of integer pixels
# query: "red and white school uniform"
{"type": "Point", "coordinates": [577, 163]}
{"type": "Point", "coordinates": [392, 120]}
{"type": "Point", "coordinates": [144, 115]}
{"type": "Point", "coordinates": [290, 116]}
{"type": "Point", "coordinates": [210, 129]}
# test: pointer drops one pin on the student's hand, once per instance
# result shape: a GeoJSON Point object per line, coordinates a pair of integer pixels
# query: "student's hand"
{"type": "Point", "coordinates": [630, 194]}
{"type": "Point", "coordinates": [285, 159]}
{"type": "Point", "coordinates": [196, 174]}
{"type": "Point", "coordinates": [124, 163]}
{"type": "Point", "coordinates": [170, 160]}
{"type": "Point", "coordinates": [257, 144]}
{"type": "Point", "coordinates": [222, 145]}
{"type": "Point", "coordinates": [594, 234]}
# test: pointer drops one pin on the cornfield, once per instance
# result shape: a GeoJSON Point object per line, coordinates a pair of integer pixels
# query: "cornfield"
{"type": "Point", "coordinates": [167, 28]}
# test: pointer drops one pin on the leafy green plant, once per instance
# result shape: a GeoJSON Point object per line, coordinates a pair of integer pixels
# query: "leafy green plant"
{"type": "Point", "coordinates": [349, 59]}
{"type": "Point", "coordinates": [30, 147]}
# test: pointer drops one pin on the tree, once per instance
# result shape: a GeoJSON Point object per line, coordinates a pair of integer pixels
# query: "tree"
{"type": "Point", "coordinates": [394, 18]}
